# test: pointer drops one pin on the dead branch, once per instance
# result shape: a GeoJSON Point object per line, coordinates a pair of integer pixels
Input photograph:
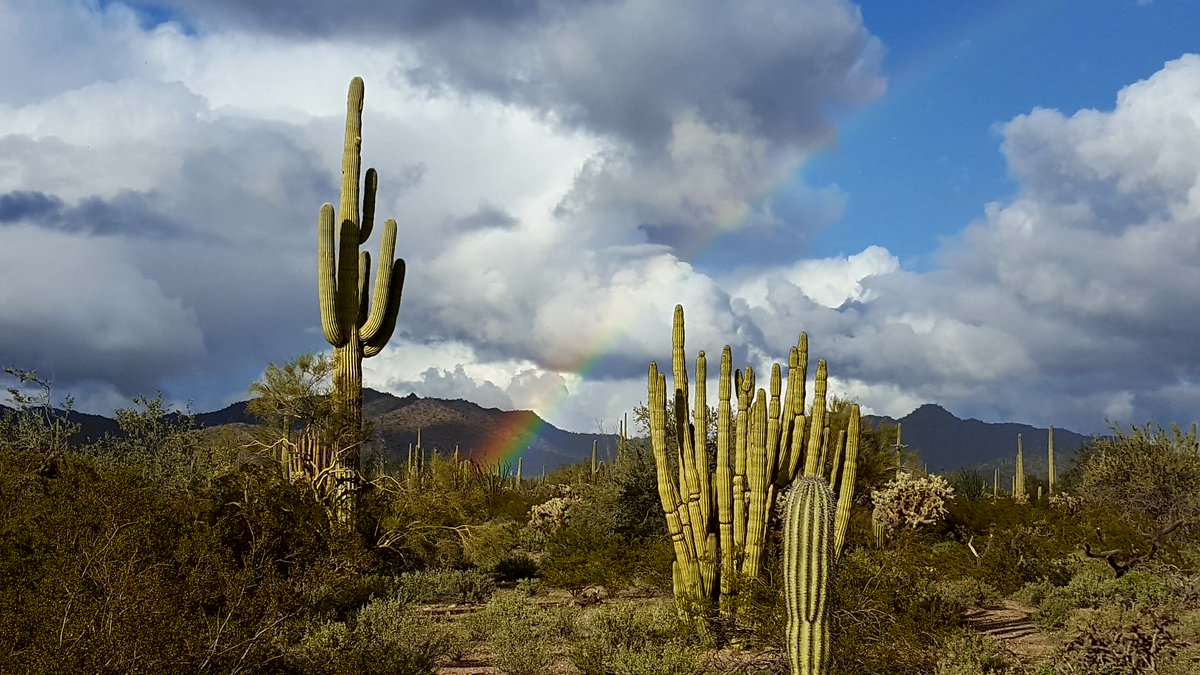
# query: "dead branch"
{"type": "Point", "coordinates": [1122, 562]}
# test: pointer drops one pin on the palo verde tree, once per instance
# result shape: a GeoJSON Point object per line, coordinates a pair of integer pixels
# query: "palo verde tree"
{"type": "Point", "coordinates": [356, 322]}
{"type": "Point", "coordinates": [295, 396]}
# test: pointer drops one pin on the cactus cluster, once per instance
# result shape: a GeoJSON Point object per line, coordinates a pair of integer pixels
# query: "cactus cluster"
{"type": "Point", "coordinates": [355, 322]}
{"type": "Point", "coordinates": [717, 520]}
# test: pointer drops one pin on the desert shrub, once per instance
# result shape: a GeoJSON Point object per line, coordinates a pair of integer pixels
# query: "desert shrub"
{"type": "Point", "coordinates": [384, 638]}
{"type": "Point", "coordinates": [531, 587]}
{"type": "Point", "coordinates": [515, 566]}
{"type": "Point", "coordinates": [963, 593]}
{"type": "Point", "coordinates": [586, 552]}
{"type": "Point", "coordinates": [33, 424]}
{"type": "Point", "coordinates": [633, 640]}
{"type": "Point", "coordinates": [969, 484]}
{"type": "Point", "coordinates": [625, 625]}
{"type": "Point", "coordinates": [1094, 585]}
{"type": "Point", "coordinates": [1144, 476]}
{"type": "Point", "coordinates": [338, 600]}
{"type": "Point", "coordinates": [563, 620]}
{"type": "Point", "coordinates": [887, 613]}
{"type": "Point", "coordinates": [1115, 640]}
{"type": "Point", "coordinates": [1053, 612]}
{"type": "Point", "coordinates": [106, 572]}
{"type": "Point", "coordinates": [431, 586]}
{"type": "Point", "coordinates": [672, 658]}
{"type": "Point", "coordinates": [445, 518]}
{"type": "Point", "coordinates": [969, 653]}
{"type": "Point", "coordinates": [514, 630]}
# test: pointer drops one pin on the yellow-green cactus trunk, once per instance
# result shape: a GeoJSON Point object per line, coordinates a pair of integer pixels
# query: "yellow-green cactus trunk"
{"type": "Point", "coordinates": [808, 558]}
{"type": "Point", "coordinates": [355, 322]}
{"type": "Point", "coordinates": [717, 520]}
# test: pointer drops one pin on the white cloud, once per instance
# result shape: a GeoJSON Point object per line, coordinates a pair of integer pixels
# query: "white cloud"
{"type": "Point", "coordinates": [549, 189]}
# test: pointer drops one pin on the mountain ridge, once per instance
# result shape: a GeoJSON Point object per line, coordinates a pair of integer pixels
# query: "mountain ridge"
{"type": "Point", "coordinates": [944, 441]}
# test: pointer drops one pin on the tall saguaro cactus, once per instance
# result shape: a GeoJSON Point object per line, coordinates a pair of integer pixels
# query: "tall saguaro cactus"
{"type": "Point", "coordinates": [1019, 475]}
{"type": "Point", "coordinates": [718, 520]}
{"type": "Point", "coordinates": [1050, 460]}
{"type": "Point", "coordinates": [355, 322]}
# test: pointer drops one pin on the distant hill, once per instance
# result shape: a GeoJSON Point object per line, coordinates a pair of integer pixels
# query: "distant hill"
{"type": "Point", "coordinates": [91, 427]}
{"type": "Point", "coordinates": [484, 434]}
{"type": "Point", "coordinates": [946, 443]}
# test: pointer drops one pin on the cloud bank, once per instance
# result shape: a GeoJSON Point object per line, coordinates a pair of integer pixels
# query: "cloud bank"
{"type": "Point", "coordinates": [563, 174]}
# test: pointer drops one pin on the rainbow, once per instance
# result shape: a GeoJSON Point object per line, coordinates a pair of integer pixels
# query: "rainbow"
{"type": "Point", "coordinates": [509, 440]}
{"type": "Point", "coordinates": [521, 430]}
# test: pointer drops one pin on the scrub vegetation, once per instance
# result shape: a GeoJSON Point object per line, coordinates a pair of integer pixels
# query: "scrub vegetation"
{"type": "Point", "coordinates": [172, 549]}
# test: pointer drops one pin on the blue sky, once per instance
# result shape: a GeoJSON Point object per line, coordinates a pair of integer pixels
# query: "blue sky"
{"type": "Point", "coordinates": [921, 161]}
{"type": "Point", "coordinates": [990, 206]}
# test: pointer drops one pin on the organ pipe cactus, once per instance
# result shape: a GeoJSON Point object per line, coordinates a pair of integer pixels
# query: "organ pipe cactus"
{"type": "Point", "coordinates": [717, 520]}
{"type": "Point", "coordinates": [355, 322]}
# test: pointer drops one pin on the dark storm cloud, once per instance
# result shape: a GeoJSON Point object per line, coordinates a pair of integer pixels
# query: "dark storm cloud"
{"type": "Point", "coordinates": [126, 213]}
{"type": "Point", "coordinates": [633, 69]}
{"type": "Point", "coordinates": [627, 68]}
{"type": "Point", "coordinates": [28, 204]}
{"type": "Point", "coordinates": [486, 216]}
{"type": "Point", "coordinates": [364, 17]}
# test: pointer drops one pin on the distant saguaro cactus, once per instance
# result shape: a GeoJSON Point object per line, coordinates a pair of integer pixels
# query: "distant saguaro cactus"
{"type": "Point", "coordinates": [358, 326]}
{"type": "Point", "coordinates": [1019, 476]}
{"type": "Point", "coordinates": [1050, 459]}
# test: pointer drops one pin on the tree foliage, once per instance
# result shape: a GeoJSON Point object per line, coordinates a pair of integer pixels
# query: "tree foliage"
{"type": "Point", "coordinates": [1145, 475]}
{"type": "Point", "coordinates": [293, 395]}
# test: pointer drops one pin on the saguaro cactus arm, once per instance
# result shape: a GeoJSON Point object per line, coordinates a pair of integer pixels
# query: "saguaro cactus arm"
{"type": "Point", "coordinates": [356, 323]}
{"type": "Point", "coordinates": [342, 278]}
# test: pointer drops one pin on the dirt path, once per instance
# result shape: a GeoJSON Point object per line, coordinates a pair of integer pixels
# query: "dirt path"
{"type": "Point", "coordinates": [1011, 625]}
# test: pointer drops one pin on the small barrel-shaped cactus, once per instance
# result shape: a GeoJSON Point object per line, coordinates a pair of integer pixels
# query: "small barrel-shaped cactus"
{"type": "Point", "coordinates": [808, 558]}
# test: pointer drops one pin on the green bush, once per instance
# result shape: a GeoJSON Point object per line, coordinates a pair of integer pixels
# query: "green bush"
{"type": "Point", "coordinates": [1053, 612]}
{"type": "Point", "coordinates": [384, 638]}
{"type": "Point", "coordinates": [1094, 585]}
{"type": "Point", "coordinates": [431, 586]}
{"type": "Point", "coordinates": [888, 612]}
{"type": "Point", "coordinates": [105, 571]}
{"type": "Point", "coordinates": [633, 640]}
{"type": "Point", "coordinates": [514, 630]}
{"type": "Point", "coordinates": [1115, 640]}
{"type": "Point", "coordinates": [963, 593]}
{"type": "Point", "coordinates": [969, 653]}
{"type": "Point", "coordinates": [515, 566]}
{"type": "Point", "coordinates": [531, 587]}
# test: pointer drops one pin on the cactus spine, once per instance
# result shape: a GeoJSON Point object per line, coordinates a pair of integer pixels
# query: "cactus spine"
{"type": "Point", "coordinates": [357, 326]}
{"type": "Point", "coordinates": [718, 521]}
{"type": "Point", "coordinates": [808, 558]}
